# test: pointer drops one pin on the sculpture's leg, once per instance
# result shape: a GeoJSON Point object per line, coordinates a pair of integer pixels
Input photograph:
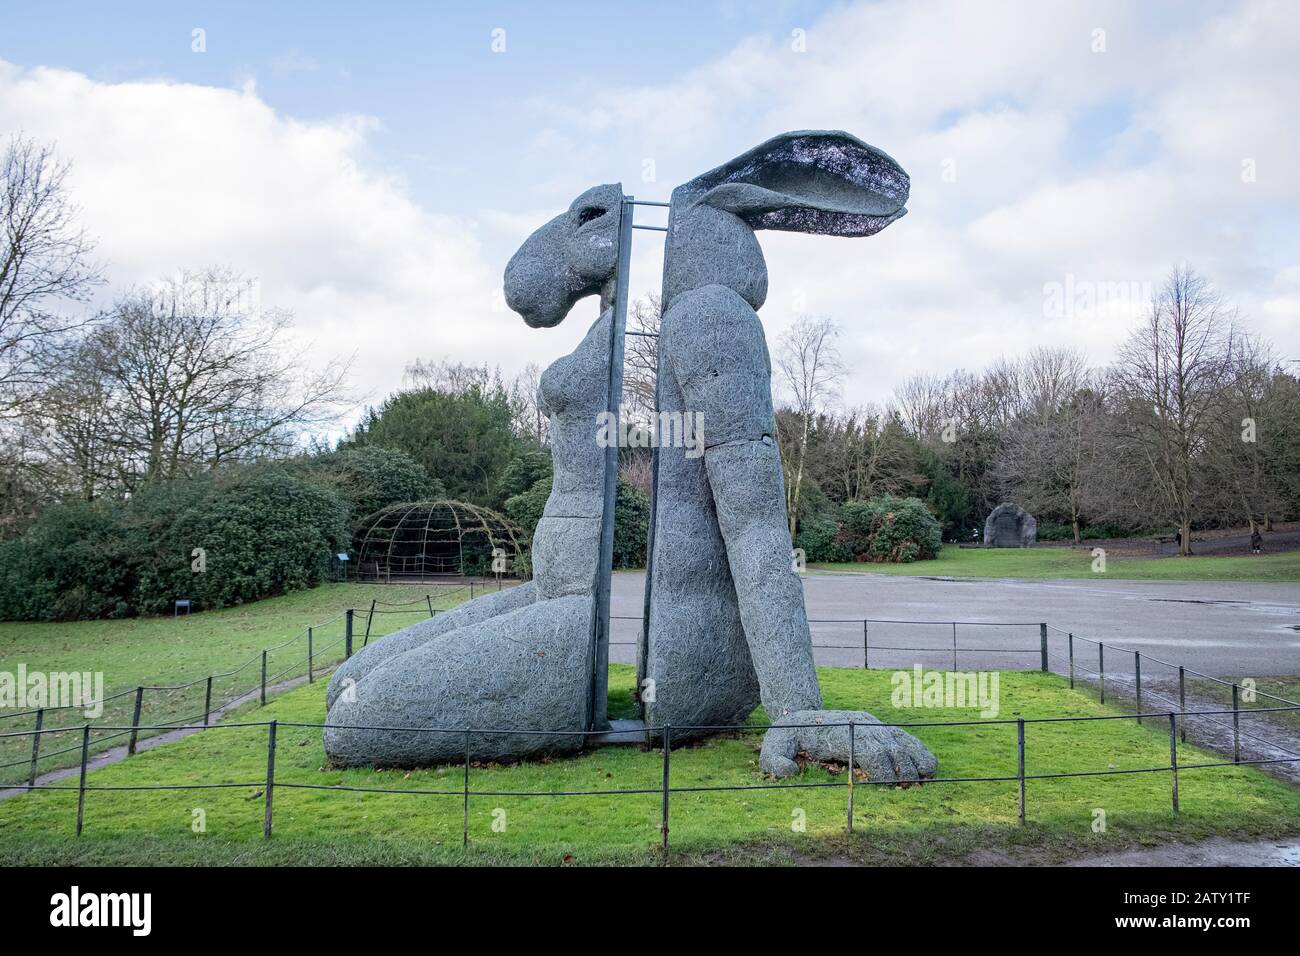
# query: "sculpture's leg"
{"type": "Point", "coordinates": [696, 669]}
{"type": "Point", "coordinates": [527, 670]}
{"type": "Point", "coordinates": [719, 359]}
{"type": "Point", "coordinates": [351, 671]}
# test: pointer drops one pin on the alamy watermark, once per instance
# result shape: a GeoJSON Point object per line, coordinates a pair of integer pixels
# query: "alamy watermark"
{"type": "Point", "coordinates": [36, 690]}
{"type": "Point", "coordinates": [666, 430]}
{"type": "Point", "coordinates": [950, 689]}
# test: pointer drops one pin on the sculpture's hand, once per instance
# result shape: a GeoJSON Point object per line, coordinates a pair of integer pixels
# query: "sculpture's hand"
{"type": "Point", "coordinates": [883, 753]}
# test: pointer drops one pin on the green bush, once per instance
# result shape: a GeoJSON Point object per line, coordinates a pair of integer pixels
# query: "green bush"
{"type": "Point", "coordinates": [261, 534]}
{"type": "Point", "coordinates": [820, 539]}
{"type": "Point", "coordinates": [889, 529]}
{"type": "Point", "coordinates": [262, 531]}
{"type": "Point", "coordinates": [631, 518]}
{"type": "Point", "coordinates": [371, 478]}
{"type": "Point", "coordinates": [73, 563]}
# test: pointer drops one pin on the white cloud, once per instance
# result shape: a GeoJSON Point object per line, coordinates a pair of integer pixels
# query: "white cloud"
{"type": "Point", "coordinates": [1107, 167]}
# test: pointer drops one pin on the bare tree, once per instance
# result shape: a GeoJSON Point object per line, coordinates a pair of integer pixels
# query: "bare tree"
{"type": "Point", "coordinates": [641, 358]}
{"type": "Point", "coordinates": [1171, 381]}
{"type": "Point", "coordinates": [187, 375]}
{"type": "Point", "coordinates": [44, 267]}
{"type": "Point", "coordinates": [810, 368]}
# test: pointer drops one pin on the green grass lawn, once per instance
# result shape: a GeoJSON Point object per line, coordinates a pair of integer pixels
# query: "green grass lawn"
{"type": "Point", "coordinates": [1077, 563]}
{"type": "Point", "coordinates": [931, 823]}
{"type": "Point", "coordinates": [165, 651]}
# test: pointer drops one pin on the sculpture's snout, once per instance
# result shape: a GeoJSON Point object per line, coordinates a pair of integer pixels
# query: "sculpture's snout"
{"type": "Point", "coordinates": [570, 257]}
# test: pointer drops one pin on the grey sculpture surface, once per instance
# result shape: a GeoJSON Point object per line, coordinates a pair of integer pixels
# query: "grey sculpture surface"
{"type": "Point", "coordinates": [726, 618]}
{"type": "Point", "coordinates": [727, 625]}
{"type": "Point", "coordinates": [1010, 526]}
{"type": "Point", "coordinates": [519, 658]}
{"type": "Point", "coordinates": [878, 751]}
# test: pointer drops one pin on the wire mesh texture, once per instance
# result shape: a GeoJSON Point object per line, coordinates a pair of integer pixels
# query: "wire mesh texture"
{"type": "Point", "coordinates": [78, 739]}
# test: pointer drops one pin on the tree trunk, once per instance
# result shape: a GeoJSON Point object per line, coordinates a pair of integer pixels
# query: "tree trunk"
{"type": "Point", "coordinates": [1185, 538]}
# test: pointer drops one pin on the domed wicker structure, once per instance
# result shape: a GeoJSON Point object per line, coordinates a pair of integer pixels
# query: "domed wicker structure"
{"type": "Point", "coordinates": [429, 539]}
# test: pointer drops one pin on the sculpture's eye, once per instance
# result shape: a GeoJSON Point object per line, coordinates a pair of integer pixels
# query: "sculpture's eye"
{"type": "Point", "coordinates": [590, 213]}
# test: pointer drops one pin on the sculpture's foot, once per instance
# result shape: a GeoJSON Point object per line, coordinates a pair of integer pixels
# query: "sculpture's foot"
{"type": "Point", "coordinates": [885, 754]}
{"type": "Point", "coordinates": [526, 671]}
{"type": "Point", "coordinates": [380, 650]}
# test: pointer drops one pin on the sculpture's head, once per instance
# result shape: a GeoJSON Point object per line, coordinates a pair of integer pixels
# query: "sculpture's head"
{"type": "Point", "coordinates": [570, 257]}
{"type": "Point", "coordinates": [818, 181]}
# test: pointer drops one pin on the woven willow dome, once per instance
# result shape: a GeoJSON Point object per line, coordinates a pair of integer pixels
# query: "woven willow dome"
{"type": "Point", "coordinates": [427, 539]}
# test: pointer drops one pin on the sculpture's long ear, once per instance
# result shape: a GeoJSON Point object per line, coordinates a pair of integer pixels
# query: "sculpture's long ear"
{"type": "Point", "coordinates": [819, 181]}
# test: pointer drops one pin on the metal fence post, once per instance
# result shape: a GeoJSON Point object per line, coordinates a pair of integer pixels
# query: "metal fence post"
{"type": "Point", "coordinates": [471, 590]}
{"type": "Point", "coordinates": [1236, 728]}
{"type": "Point", "coordinates": [1069, 643]}
{"type": "Point", "coordinates": [663, 820]}
{"type": "Point", "coordinates": [270, 780]}
{"type": "Point", "coordinates": [207, 702]}
{"type": "Point", "coordinates": [464, 832]}
{"type": "Point", "coordinates": [1173, 757]}
{"type": "Point", "coordinates": [1020, 759]}
{"type": "Point", "coordinates": [865, 662]}
{"type": "Point", "coordinates": [347, 634]}
{"type": "Point", "coordinates": [36, 745]}
{"type": "Point", "coordinates": [1137, 682]}
{"type": "Point", "coordinates": [309, 654]}
{"type": "Point", "coordinates": [135, 721]}
{"type": "Point", "coordinates": [263, 678]}
{"type": "Point", "coordinates": [369, 617]}
{"type": "Point", "coordinates": [954, 647]}
{"type": "Point", "coordinates": [1101, 670]}
{"type": "Point", "coordinates": [1182, 700]}
{"type": "Point", "coordinates": [81, 787]}
{"type": "Point", "coordinates": [852, 761]}
{"type": "Point", "coordinates": [428, 599]}
{"type": "Point", "coordinates": [1042, 641]}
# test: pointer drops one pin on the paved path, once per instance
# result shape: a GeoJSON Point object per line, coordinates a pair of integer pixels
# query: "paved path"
{"type": "Point", "coordinates": [1220, 628]}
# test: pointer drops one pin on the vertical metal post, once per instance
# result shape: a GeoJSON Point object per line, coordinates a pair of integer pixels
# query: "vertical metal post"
{"type": "Point", "coordinates": [1173, 757]}
{"type": "Point", "coordinates": [428, 599]}
{"type": "Point", "coordinates": [1042, 642]}
{"type": "Point", "coordinates": [471, 590]}
{"type": "Point", "coordinates": [599, 655]}
{"type": "Point", "coordinates": [1236, 728]}
{"type": "Point", "coordinates": [310, 651]}
{"type": "Point", "coordinates": [369, 617]}
{"type": "Point", "coordinates": [1101, 670]}
{"type": "Point", "coordinates": [1069, 643]}
{"type": "Point", "coordinates": [954, 647]}
{"type": "Point", "coordinates": [1020, 759]}
{"type": "Point", "coordinates": [1137, 682]}
{"type": "Point", "coordinates": [207, 702]}
{"type": "Point", "coordinates": [1182, 700]}
{"type": "Point", "coordinates": [263, 678]}
{"type": "Point", "coordinates": [852, 763]}
{"type": "Point", "coordinates": [464, 824]}
{"type": "Point", "coordinates": [270, 780]}
{"type": "Point", "coordinates": [135, 721]}
{"type": "Point", "coordinates": [81, 787]}
{"type": "Point", "coordinates": [347, 634]}
{"type": "Point", "coordinates": [36, 745]}
{"type": "Point", "coordinates": [865, 660]}
{"type": "Point", "coordinates": [663, 820]}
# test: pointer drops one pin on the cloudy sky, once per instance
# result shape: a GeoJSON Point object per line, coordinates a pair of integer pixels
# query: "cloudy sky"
{"type": "Point", "coordinates": [374, 166]}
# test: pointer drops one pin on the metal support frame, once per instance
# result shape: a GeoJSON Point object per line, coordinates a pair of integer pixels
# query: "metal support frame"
{"type": "Point", "coordinates": [598, 706]}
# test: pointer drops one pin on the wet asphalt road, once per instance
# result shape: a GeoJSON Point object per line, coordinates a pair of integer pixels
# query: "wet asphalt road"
{"type": "Point", "coordinates": [1223, 629]}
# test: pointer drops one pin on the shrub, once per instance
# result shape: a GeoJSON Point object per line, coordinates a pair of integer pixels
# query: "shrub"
{"type": "Point", "coordinates": [261, 534]}
{"type": "Point", "coordinates": [631, 518]}
{"type": "Point", "coordinates": [371, 478]}
{"type": "Point", "coordinates": [889, 529]}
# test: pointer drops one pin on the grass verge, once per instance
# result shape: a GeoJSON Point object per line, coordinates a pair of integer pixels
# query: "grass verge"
{"type": "Point", "coordinates": [927, 824]}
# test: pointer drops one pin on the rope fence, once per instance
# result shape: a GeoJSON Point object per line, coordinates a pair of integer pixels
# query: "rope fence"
{"type": "Point", "coordinates": [1021, 778]}
{"type": "Point", "coordinates": [125, 718]}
